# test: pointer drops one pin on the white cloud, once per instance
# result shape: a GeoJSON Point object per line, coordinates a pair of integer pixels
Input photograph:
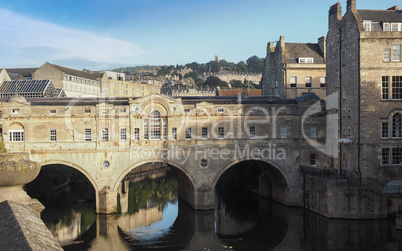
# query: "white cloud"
{"type": "Point", "coordinates": [29, 41]}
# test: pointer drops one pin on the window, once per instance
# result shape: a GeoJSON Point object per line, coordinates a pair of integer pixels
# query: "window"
{"type": "Point", "coordinates": [394, 26]}
{"type": "Point", "coordinates": [385, 156]}
{"type": "Point", "coordinates": [396, 156]}
{"type": "Point", "coordinates": [16, 135]}
{"type": "Point", "coordinates": [385, 86]}
{"type": "Point", "coordinates": [188, 133]}
{"type": "Point", "coordinates": [123, 134]}
{"type": "Point", "coordinates": [293, 81]}
{"type": "Point", "coordinates": [386, 27]}
{"type": "Point", "coordinates": [252, 132]}
{"type": "Point", "coordinates": [392, 90]}
{"type": "Point", "coordinates": [387, 55]}
{"type": "Point", "coordinates": [15, 111]}
{"type": "Point", "coordinates": [204, 133]}
{"type": "Point", "coordinates": [397, 87]}
{"type": "Point", "coordinates": [396, 54]}
{"type": "Point", "coordinates": [312, 159]}
{"type": "Point", "coordinates": [283, 132]}
{"type": "Point", "coordinates": [123, 110]}
{"type": "Point", "coordinates": [323, 82]}
{"type": "Point", "coordinates": [252, 109]}
{"type": "Point", "coordinates": [52, 111]}
{"type": "Point", "coordinates": [53, 136]}
{"type": "Point", "coordinates": [105, 134]}
{"type": "Point", "coordinates": [174, 133]}
{"type": "Point", "coordinates": [186, 110]}
{"type": "Point", "coordinates": [396, 125]}
{"type": "Point", "coordinates": [87, 134]}
{"type": "Point", "coordinates": [221, 132]}
{"type": "Point", "coordinates": [384, 130]}
{"type": "Point", "coordinates": [155, 121]}
{"type": "Point", "coordinates": [306, 60]}
{"type": "Point", "coordinates": [136, 133]}
{"type": "Point", "coordinates": [308, 82]}
{"type": "Point", "coordinates": [220, 109]}
{"type": "Point", "coordinates": [367, 25]}
{"type": "Point", "coordinates": [165, 128]}
{"type": "Point", "coordinates": [313, 132]}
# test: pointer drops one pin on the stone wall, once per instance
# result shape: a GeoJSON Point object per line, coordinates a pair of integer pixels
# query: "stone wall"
{"type": "Point", "coordinates": [324, 197]}
{"type": "Point", "coordinates": [21, 229]}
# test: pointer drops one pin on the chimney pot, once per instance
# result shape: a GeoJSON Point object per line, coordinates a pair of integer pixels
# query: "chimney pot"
{"type": "Point", "coordinates": [393, 8]}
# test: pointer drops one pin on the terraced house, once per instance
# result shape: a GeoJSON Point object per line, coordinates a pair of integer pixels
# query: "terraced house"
{"type": "Point", "coordinates": [364, 67]}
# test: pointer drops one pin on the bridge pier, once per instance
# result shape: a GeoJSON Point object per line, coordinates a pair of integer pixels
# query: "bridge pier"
{"type": "Point", "coordinates": [106, 201]}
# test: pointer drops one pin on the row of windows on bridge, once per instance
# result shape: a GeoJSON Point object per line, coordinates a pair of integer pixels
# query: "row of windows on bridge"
{"type": "Point", "coordinates": [153, 133]}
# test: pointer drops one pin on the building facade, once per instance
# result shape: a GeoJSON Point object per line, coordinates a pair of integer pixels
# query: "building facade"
{"type": "Point", "coordinates": [75, 83]}
{"type": "Point", "coordinates": [291, 69]}
{"type": "Point", "coordinates": [364, 69]}
{"type": "Point", "coordinates": [117, 86]}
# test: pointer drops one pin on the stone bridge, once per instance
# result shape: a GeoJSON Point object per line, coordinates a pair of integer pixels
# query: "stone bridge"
{"type": "Point", "coordinates": [199, 138]}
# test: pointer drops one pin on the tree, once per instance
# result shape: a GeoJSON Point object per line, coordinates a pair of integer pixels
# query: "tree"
{"type": "Point", "coordinates": [236, 83]}
{"type": "Point", "coordinates": [241, 67]}
{"type": "Point", "coordinates": [255, 64]}
{"type": "Point", "coordinates": [194, 75]}
{"type": "Point", "coordinates": [213, 81]}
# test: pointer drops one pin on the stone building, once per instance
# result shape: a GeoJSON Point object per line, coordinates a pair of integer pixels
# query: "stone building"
{"type": "Point", "coordinates": [117, 86]}
{"type": "Point", "coordinates": [74, 82]}
{"type": "Point", "coordinates": [200, 137]}
{"type": "Point", "coordinates": [364, 69]}
{"type": "Point", "coordinates": [291, 69]}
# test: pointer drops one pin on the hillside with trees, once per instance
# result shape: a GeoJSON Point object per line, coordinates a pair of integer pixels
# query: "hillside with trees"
{"type": "Point", "coordinates": [254, 64]}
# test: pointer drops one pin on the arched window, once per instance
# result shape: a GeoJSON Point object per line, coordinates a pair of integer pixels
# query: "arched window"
{"type": "Point", "coordinates": [16, 132]}
{"type": "Point", "coordinates": [396, 125]}
{"type": "Point", "coordinates": [155, 124]}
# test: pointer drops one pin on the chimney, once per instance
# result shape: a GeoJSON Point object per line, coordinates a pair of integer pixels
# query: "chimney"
{"type": "Point", "coordinates": [351, 5]}
{"type": "Point", "coordinates": [322, 42]}
{"type": "Point", "coordinates": [393, 8]}
{"type": "Point", "coordinates": [336, 9]}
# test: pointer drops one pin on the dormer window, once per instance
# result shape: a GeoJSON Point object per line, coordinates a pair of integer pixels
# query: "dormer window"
{"type": "Point", "coordinates": [386, 26]}
{"type": "Point", "coordinates": [306, 60]}
{"type": "Point", "coordinates": [367, 25]}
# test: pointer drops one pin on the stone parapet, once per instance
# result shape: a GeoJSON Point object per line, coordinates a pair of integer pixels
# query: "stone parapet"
{"type": "Point", "coordinates": [21, 229]}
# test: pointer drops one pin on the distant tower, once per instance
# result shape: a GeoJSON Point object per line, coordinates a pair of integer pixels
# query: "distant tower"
{"type": "Point", "coordinates": [217, 59]}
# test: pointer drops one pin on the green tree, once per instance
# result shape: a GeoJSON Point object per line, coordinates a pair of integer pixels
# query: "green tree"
{"type": "Point", "coordinates": [255, 64]}
{"type": "Point", "coordinates": [241, 67]}
{"type": "Point", "coordinates": [236, 83]}
{"type": "Point", "coordinates": [213, 81]}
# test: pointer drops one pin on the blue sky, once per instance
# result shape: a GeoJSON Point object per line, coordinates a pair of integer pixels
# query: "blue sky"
{"type": "Point", "coordinates": [107, 34]}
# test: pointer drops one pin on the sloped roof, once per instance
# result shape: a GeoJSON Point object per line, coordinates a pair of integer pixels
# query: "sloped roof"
{"type": "Point", "coordinates": [381, 15]}
{"type": "Point", "coordinates": [24, 86]}
{"type": "Point", "coordinates": [16, 76]}
{"type": "Point", "coordinates": [236, 92]}
{"type": "Point", "coordinates": [61, 92]}
{"type": "Point", "coordinates": [25, 72]}
{"type": "Point", "coordinates": [82, 74]}
{"type": "Point", "coordinates": [303, 50]}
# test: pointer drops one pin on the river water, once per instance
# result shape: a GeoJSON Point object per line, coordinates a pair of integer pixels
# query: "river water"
{"type": "Point", "coordinates": [152, 218]}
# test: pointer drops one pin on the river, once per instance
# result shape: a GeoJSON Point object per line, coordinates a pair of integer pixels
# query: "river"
{"type": "Point", "coordinates": [151, 217]}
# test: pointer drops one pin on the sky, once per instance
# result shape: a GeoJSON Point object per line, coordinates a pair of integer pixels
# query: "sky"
{"type": "Point", "coordinates": [100, 35]}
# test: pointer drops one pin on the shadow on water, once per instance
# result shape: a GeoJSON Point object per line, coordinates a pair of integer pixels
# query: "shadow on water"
{"type": "Point", "coordinates": [152, 218]}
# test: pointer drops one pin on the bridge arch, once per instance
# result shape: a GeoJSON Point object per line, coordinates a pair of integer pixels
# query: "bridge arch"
{"type": "Point", "coordinates": [278, 178]}
{"type": "Point", "coordinates": [72, 165]}
{"type": "Point", "coordinates": [233, 163]}
{"type": "Point", "coordinates": [185, 179]}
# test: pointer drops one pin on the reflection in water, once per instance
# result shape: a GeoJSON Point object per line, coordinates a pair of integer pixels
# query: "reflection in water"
{"type": "Point", "coordinates": [151, 217]}
{"type": "Point", "coordinates": [67, 223]}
